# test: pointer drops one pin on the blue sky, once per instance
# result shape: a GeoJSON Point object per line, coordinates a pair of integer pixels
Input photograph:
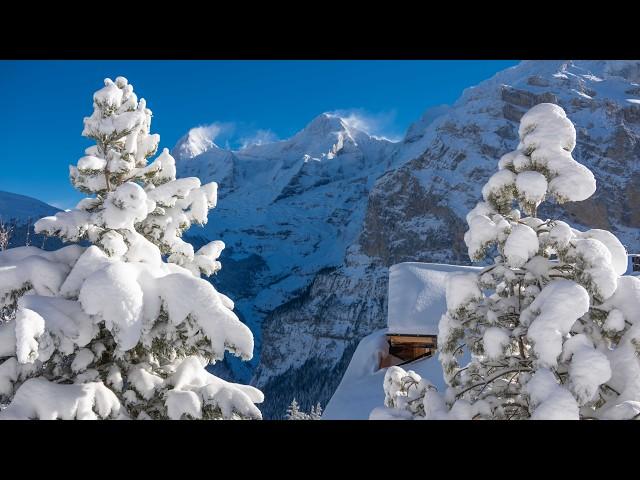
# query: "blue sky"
{"type": "Point", "coordinates": [44, 103]}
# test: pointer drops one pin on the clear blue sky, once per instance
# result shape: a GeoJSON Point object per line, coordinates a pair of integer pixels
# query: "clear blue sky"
{"type": "Point", "coordinates": [44, 102]}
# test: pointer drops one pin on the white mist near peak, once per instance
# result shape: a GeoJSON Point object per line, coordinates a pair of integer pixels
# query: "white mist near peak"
{"type": "Point", "coordinates": [197, 141]}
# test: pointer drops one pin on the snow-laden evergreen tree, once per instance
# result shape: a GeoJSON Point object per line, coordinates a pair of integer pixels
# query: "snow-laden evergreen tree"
{"type": "Point", "coordinates": [114, 330]}
{"type": "Point", "coordinates": [295, 413]}
{"type": "Point", "coordinates": [552, 329]}
{"type": "Point", "coordinates": [5, 235]}
{"type": "Point", "coordinates": [316, 412]}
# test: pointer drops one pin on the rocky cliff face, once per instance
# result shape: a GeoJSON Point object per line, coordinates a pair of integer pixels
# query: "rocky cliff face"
{"type": "Point", "coordinates": [431, 194]}
{"type": "Point", "coordinates": [328, 211]}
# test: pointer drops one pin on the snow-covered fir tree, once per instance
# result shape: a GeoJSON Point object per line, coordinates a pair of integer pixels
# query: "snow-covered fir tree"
{"type": "Point", "coordinates": [552, 328]}
{"type": "Point", "coordinates": [294, 412]}
{"type": "Point", "coordinates": [316, 412]}
{"type": "Point", "coordinates": [114, 330]}
{"type": "Point", "coordinates": [5, 235]}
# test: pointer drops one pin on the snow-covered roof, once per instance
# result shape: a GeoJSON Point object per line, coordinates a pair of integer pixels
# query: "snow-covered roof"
{"type": "Point", "coordinates": [417, 296]}
{"type": "Point", "coordinates": [361, 389]}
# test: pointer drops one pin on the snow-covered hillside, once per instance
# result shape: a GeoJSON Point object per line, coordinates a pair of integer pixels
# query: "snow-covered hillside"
{"type": "Point", "coordinates": [20, 208]}
{"type": "Point", "coordinates": [312, 223]}
{"type": "Point", "coordinates": [19, 213]}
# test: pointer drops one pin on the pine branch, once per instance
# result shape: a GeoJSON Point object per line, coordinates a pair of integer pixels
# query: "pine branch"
{"type": "Point", "coordinates": [494, 378]}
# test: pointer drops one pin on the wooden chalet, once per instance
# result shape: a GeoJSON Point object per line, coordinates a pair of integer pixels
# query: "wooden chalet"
{"type": "Point", "coordinates": [417, 300]}
{"type": "Point", "coordinates": [405, 348]}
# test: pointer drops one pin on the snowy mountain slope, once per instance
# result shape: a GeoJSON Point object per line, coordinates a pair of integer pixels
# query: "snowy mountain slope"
{"type": "Point", "coordinates": [20, 208]}
{"type": "Point", "coordinates": [20, 213]}
{"type": "Point", "coordinates": [291, 207]}
{"type": "Point", "coordinates": [325, 213]}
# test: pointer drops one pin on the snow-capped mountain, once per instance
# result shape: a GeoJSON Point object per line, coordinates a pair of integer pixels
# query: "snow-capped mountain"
{"type": "Point", "coordinates": [20, 208]}
{"type": "Point", "coordinates": [313, 223]}
{"type": "Point", "coordinates": [288, 209]}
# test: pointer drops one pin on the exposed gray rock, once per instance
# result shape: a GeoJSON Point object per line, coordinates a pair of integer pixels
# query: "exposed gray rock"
{"type": "Point", "coordinates": [537, 81]}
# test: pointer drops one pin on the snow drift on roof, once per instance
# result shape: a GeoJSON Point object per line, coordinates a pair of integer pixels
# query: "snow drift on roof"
{"type": "Point", "coordinates": [417, 296]}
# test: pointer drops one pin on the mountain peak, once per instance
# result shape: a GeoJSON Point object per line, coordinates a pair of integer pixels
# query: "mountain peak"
{"type": "Point", "coordinates": [331, 127]}
{"type": "Point", "coordinates": [325, 123]}
{"type": "Point", "coordinates": [198, 140]}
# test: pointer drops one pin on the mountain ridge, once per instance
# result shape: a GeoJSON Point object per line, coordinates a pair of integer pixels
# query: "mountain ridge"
{"type": "Point", "coordinates": [313, 222]}
{"type": "Point", "coordinates": [21, 208]}
{"type": "Point", "coordinates": [411, 207]}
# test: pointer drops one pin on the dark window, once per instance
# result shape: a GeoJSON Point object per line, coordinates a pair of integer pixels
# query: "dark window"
{"type": "Point", "coordinates": [635, 264]}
